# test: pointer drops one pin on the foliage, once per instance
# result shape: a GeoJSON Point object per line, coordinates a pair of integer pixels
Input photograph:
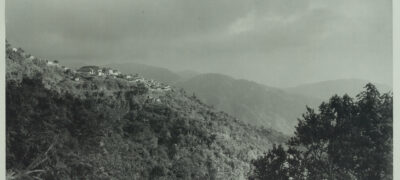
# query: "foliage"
{"type": "Point", "coordinates": [271, 165]}
{"type": "Point", "coordinates": [346, 139]}
{"type": "Point", "coordinates": [109, 128]}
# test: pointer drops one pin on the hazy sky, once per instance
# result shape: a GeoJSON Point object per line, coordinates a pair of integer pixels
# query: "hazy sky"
{"type": "Point", "coordinates": [275, 42]}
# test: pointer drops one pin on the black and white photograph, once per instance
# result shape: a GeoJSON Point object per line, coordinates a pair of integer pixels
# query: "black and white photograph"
{"type": "Point", "coordinates": [199, 90]}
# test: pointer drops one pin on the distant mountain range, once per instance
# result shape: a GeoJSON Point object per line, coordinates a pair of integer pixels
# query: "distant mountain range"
{"type": "Point", "coordinates": [326, 89]}
{"type": "Point", "coordinates": [76, 125]}
{"type": "Point", "coordinates": [249, 101]}
{"type": "Point", "coordinates": [150, 72]}
{"type": "Point", "coordinates": [187, 74]}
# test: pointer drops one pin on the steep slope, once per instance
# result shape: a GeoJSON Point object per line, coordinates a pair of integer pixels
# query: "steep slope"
{"type": "Point", "coordinates": [66, 125]}
{"type": "Point", "coordinates": [248, 101]}
{"type": "Point", "coordinates": [149, 72]}
{"type": "Point", "coordinates": [326, 89]}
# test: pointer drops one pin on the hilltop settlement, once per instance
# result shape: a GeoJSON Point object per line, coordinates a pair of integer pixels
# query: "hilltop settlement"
{"type": "Point", "coordinates": [98, 123]}
{"type": "Point", "coordinates": [88, 73]}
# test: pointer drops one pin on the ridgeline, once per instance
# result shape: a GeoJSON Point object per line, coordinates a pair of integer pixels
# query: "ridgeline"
{"type": "Point", "coordinates": [67, 124]}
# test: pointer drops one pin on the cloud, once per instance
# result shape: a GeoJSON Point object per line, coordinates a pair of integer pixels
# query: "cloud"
{"type": "Point", "coordinates": [289, 39]}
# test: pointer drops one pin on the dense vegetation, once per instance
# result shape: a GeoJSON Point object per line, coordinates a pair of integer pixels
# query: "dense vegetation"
{"type": "Point", "coordinates": [248, 101]}
{"type": "Point", "coordinates": [58, 127]}
{"type": "Point", "coordinates": [346, 139]}
{"type": "Point", "coordinates": [109, 128]}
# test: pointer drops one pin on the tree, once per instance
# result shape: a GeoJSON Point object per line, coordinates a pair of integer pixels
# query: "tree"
{"type": "Point", "coordinates": [345, 139]}
{"type": "Point", "coordinates": [272, 165]}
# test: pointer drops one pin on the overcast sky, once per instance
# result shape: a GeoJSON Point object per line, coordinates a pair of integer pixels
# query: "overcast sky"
{"type": "Point", "coordinates": [275, 42]}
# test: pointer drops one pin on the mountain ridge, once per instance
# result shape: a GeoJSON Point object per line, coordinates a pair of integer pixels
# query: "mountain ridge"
{"type": "Point", "coordinates": [251, 102]}
{"type": "Point", "coordinates": [100, 127]}
{"type": "Point", "coordinates": [163, 75]}
{"type": "Point", "coordinates": [326, 89]}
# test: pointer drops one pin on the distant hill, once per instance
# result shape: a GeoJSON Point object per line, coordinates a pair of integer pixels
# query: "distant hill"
{"type": "Point", "coordinates": [250, 102]}
{"type": "Point", "coordinates": [149, 72]}
{"type": "Point", "coordinates": [326, 89]}
{"type": "Point", "coordinates": [187, 74]}
{"type": "Point", "coordinates": [74, 65]}
{"type": "Point", "coordinates": [62, 124]}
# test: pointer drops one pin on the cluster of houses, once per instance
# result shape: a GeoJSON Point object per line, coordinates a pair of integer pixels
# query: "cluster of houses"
{"type": "Point", "coordinates": [27, 57]}
{"type": "Point", "coordinates": [20, 52]}
{"type": "Point", "coordinates": [153, 86]}
{"type": "Point", "coordinates": [104, 72]}
{"type": "Point", "coordinates": [98, 71]}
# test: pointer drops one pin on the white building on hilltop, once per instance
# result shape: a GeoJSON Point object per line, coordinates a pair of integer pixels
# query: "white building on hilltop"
{"type": "Point", "coordinates": [113, 72]}
{"type": "Point", "coordinates": [100, 72]}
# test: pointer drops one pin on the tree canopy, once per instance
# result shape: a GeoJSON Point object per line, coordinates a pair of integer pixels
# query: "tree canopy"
{"type": "Point", "coordinates": [346, 139]}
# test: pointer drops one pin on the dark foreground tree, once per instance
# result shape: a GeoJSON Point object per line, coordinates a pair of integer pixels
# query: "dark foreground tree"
{"type": "Point", "coordinates": [346, 139]}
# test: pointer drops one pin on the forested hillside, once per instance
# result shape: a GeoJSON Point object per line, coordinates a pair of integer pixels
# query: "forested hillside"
{"type": "Point", "coordinates": [62, 124]}
{"type": "Point", "coordinates": [344, 139]}
{"type": "Point", "coordinates": [250, 102]}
